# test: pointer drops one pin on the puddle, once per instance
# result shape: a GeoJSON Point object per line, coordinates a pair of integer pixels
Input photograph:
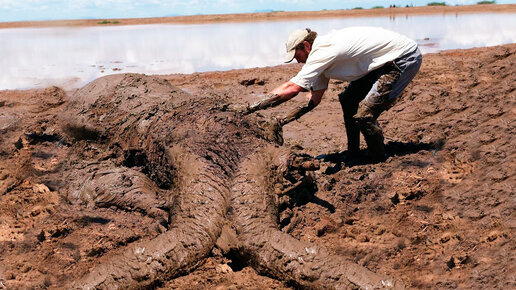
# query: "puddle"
{"type": "Point", "coordinates": [71, 57]}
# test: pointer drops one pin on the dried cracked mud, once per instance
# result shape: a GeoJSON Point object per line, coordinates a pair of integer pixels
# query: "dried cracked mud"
{"type": "Point", "coordinates": [145, 181]}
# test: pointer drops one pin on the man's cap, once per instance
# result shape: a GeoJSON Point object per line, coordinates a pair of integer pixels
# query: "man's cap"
{"type": "Point", "coordinates": [293, 40]}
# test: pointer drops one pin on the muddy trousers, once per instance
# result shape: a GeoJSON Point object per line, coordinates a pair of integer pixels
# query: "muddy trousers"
{"type": "Point", "coordinates": [365, 99]}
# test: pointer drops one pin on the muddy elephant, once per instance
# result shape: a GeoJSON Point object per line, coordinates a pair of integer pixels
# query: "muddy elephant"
{"type": "Point", "coordinates": [211, 176]}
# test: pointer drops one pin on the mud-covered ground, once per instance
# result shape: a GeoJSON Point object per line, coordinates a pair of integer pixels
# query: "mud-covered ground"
{"type": "Point", "coordinates": [439, 213]}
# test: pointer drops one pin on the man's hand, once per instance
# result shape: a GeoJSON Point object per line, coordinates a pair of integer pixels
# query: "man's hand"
{"type": "Point", "coordinates": [314, 98]}
{"type": "Point", "coordinates": [297, 113]}
{"type": "Point", "coordinates": [240, 108]}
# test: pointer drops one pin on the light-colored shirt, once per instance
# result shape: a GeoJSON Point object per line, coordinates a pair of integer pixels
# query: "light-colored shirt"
{"type": "Point", "coordinates": [349, 54]}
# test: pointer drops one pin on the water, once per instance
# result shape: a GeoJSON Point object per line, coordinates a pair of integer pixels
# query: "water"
{"type": "Point", "coordinates": [71, 57]}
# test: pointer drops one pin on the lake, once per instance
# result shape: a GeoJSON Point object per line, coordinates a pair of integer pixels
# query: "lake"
{"type": "Point", "coordinates": [71, 57]}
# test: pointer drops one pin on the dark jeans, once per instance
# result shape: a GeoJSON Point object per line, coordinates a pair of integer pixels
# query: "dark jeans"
{"type": "Point", "coordinates": [365, 99]}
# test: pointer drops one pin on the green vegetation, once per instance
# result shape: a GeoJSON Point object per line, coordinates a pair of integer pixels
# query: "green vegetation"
{"type": "Point", "coordinates": [109, 22]}
{"type": "Point", "coordinates": [377, 7]}
{"type": "Point", "coordinates": [436, 4]}
{"type": "Point", "coordinates": [486, 2]}
{"type": "Point", "coordinates": [357, 8]}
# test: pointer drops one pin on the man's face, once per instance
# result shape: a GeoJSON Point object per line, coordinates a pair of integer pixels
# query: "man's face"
{"type": "Point", "coordinates": [302, 53]}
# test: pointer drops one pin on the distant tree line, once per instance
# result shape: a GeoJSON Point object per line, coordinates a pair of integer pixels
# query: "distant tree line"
{"type": "Point", "coordinates": [444, 3]}
{"type": "Point", "coordinates": [429, 4]}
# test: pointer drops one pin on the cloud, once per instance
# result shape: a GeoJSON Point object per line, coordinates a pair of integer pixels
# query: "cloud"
{"type": "Point", "coordinates": [81, 4]}
{"type": "Point", "coordinates": [13, 10]}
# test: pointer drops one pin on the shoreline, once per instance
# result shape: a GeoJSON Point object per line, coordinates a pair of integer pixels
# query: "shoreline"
{"type": "Point", "coordinates": [292, 68]}
{"type": "Point", "coordinates": [268, 16]}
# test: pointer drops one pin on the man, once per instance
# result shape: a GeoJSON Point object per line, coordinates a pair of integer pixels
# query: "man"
{"type": "Point", "coordinates": [378, 63]}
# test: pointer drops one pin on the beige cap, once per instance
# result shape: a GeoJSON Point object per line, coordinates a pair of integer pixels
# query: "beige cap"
{"type": "Point", "coordinates": [293, 40]}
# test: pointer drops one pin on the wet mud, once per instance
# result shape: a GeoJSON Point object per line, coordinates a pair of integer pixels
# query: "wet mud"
{"type": "Point", "coordinates": [145, 181]}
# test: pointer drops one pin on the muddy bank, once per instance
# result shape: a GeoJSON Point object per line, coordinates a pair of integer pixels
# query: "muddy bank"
{"type": "Point", "coordinates": [270, 16]}
{"type": "Point", "coordinates": [439, 213]}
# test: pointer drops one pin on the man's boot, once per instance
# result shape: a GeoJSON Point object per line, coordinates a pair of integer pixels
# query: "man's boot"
{"type": "Point", "coordinates": [349, 108]}
{"type": "Point", "coordinates": [373, 136]}
{"type": "Point", "coordinates": [372, 132]}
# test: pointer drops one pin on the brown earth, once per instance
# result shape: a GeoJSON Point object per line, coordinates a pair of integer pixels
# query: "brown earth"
{"type": "Point", "coordinates": [439, 213]}
{"type": "Point", "coordinates": [270, 16]}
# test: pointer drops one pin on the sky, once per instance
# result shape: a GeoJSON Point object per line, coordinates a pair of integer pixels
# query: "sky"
{"type": "Point", "coordinates": [24, 10]}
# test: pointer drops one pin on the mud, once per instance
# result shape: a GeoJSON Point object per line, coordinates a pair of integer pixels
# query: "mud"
{"type": "Point", "coordinates": [151, 181]}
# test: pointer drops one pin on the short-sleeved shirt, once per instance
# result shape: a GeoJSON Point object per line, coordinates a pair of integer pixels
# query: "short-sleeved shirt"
{"type": "Point", "coordinates": [349, 54]}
